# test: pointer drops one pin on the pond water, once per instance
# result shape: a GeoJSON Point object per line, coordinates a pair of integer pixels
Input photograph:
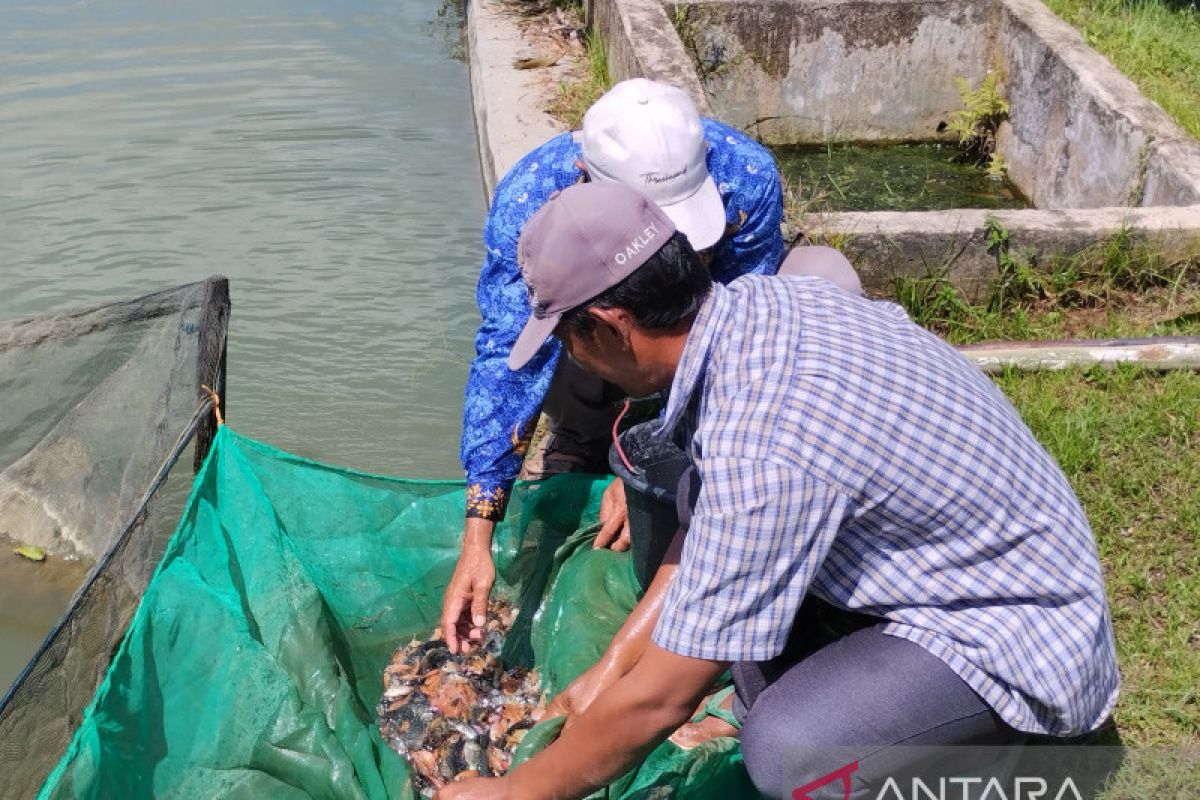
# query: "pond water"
{"type": "Point", "coordinates": [320, 154]}
{"type": "Point", "coordinates": [905, 177]}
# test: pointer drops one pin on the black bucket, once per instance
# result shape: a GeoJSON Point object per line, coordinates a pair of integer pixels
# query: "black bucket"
{"type": "Point", "coordinates": [649, 494]}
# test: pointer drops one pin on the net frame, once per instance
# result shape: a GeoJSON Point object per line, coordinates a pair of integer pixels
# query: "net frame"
{"type": "Point", "coordinates": [41, 709]}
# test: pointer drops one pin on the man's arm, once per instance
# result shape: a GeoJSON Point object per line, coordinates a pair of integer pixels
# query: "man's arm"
{"type": "Point", "coordinates": [750, 176]}
{"type": "Point", "coordinates": [498, 415]}
{"type": "Point", "coordinates": [760, 532]}
{"type": "Point", "coordinates": [464, 605]}
{"type": "Point", "coordinates": [757, 246]}
{"type": "Point", "coordinates": [501, 406]}
{"type": "Point", "coordinates": [499, 411]}
{"type": "Point", "coordinates": [626, 647]}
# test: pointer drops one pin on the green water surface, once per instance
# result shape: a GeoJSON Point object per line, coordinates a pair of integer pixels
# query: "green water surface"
{"type": "Point", "coordinates": [903, 177]}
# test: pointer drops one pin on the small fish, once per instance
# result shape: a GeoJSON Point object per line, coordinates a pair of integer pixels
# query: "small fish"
{"type": "Point", "coordinates": [457, 716]}
{"type": "Point", "coordinates": [457, 698]}
{"type": "Point", "coordinates": [424, 764]}
{"type": "Point", "coordinates": [474, 757]}
{"type": "Point", "coordinates": [396, 690]}
{"type": "Point", "coordinates": [498, 760]}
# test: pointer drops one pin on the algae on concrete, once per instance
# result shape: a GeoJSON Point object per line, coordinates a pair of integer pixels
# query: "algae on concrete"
{"type": "Point", "coordinates": [922, 176]}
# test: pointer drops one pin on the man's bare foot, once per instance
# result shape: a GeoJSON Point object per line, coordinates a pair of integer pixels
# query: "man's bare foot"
{"type": "Point", "coordinates": [694, 734]}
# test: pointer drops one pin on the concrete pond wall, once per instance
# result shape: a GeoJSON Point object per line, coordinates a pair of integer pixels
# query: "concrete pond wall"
{"type": "Point", "coordinates": [1091, 153]}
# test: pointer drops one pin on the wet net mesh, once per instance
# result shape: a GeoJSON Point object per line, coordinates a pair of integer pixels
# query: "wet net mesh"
{"type": "Point", "coordinates": [255, 662]}
{"type": "Point", "coordinates": [96, 408]}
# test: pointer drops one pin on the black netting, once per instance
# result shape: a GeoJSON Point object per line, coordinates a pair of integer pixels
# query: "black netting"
{"type": "Point", "coordinates": [650, 468]}
{"type": "Point", "coordinates": [96, 406]}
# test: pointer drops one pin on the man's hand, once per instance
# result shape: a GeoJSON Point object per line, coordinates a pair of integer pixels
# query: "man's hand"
{"type": "Point", "coordinates": [624, 723]}
{"type": "Point", "coordinates": [575, 699]}
{"type": "Point", "coordinates": [475, 789]}
{"type": "Point", "coordinates": [464, 606]}
{"type": "Point", "coordinates": [614, 518]}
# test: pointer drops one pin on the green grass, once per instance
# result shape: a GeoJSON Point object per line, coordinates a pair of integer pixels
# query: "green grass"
{"type": "Point", "coordinates": [1129, 441]}
{"type": "Point", "coordinates": [1154, 42]}
{"type": "Point", "coordinates": [1158, 772]}
{"type": "Point", "coordinates": [575, 97]}
{"type": "Point", "coordinates": [1119, 288]}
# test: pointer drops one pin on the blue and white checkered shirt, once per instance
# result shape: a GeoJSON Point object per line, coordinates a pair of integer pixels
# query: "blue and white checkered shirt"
{"type": "Point", "coordinates": [846, 451]}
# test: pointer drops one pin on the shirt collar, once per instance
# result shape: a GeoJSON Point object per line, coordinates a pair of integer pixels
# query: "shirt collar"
{"type": "Point", "coordinates": [709, 320]}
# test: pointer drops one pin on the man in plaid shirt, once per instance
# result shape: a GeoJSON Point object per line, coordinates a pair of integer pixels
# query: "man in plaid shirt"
{"type": "Point", "coordinates": [848, 465]}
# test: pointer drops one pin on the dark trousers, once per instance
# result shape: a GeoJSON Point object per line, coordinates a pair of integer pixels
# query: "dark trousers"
{"type": "Point", "coordinates": [580, 408]}
{"type": "Point", "coordinates": [836, 698]}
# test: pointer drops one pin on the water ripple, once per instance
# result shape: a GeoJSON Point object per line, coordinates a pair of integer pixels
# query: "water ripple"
{"type": "Point", "coordinates": [321, 155]}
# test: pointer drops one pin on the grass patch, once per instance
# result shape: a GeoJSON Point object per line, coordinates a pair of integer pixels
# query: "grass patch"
{"type": "Point", "coordinates": [586, 80]}
{"type": "Point", "coordinates": [575, 97]}
{"type": "Point", "coordinates": [1129, 441]}
{"type": "Point", "coordinates": [1154, 42]}
{"type": "Point", "coordinates": [1157, 772]}
{"type": "Point", "coordinates": [1118, 288]}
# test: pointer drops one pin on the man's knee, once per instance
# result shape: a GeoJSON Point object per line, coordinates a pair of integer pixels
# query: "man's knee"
{"type": "Point", "coordinates": [784, 753]}
{"type": "Point", "coordinates": [822, 262]}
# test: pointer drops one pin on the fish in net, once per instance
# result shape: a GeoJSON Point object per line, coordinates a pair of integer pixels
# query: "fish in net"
{"type": "Point", "coordinates": [458, 716]}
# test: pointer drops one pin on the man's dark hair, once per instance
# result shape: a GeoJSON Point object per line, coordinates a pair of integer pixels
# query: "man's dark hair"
{"type": "Point", "coordinates": [661, 294]}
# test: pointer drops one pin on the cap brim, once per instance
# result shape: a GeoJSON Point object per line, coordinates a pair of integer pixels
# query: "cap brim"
{"type": "Point", "coordinates": [700, 217]}
{"type": "Point", "coordinates": [533, 336]}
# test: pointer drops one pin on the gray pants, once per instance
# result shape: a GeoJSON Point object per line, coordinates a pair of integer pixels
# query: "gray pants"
{"type": "Point", "coordinates": [876, 701]}
{"type": "Point", "coordinates": [822, 262]}
{"type": "Point", "coordinates": [843, 692]}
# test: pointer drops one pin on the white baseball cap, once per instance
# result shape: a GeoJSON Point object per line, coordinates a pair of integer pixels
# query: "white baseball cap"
{"type": "Point", "coordinates": [647, 135]}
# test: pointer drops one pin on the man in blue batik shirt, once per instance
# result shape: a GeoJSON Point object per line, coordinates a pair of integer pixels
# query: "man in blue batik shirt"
{"type": "Point", "coordinates": [719, 187]}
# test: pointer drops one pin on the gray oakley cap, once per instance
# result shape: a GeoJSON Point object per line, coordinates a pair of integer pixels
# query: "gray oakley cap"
{"type": "Point", "coordinates": [584, 240]}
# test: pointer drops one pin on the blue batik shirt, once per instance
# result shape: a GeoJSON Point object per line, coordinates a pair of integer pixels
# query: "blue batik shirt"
{"type": "Point", "coordinates": [846, 452]}
{"type": "Point", "coordinates": [502, 405]}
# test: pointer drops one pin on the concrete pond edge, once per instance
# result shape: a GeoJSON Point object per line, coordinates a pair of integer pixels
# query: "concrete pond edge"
{"type": "Point", "coordinates": [507, 102]}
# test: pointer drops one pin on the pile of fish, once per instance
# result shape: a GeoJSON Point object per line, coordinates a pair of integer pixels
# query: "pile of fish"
{"type": "Point", "coordinates": [457, 716]}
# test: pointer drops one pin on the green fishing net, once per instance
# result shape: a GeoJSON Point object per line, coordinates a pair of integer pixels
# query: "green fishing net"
{"type": "Point", "coordinates": [253, 665]}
